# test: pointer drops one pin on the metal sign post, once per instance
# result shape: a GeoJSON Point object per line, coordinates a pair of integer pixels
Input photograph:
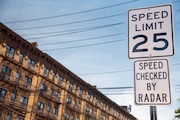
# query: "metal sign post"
{"type": "Point", "coordinates": [153, 113]}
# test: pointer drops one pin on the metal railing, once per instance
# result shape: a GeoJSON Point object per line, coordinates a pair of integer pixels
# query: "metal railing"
{"type": "Point", "coordinates": [14, 104]}
{"type": "Point", "coordinates": [43, 113]}
{"type": "Point", "coordinates": [5, 75]}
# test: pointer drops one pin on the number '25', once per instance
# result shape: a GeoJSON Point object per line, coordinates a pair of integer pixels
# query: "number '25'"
{"type": "Point", "coordinates": [155, 39]}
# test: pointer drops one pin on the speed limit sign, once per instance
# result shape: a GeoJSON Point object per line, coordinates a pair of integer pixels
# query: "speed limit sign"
{"type": "Point", "coordinates": [150, 32]}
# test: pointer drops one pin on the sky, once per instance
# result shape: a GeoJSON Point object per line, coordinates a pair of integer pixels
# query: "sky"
{"type": "Point", "coordinates": [90, 38]}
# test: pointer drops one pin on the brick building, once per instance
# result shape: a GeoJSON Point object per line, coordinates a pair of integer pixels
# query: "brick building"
{"type": "Point", "coordinates": [34, 86]}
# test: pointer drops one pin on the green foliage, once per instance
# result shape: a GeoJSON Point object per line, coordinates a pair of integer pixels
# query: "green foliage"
{"type": "Point", "coordinates": [177, 112]}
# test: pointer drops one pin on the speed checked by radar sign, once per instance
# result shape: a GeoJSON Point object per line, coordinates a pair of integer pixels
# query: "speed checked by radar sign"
{"type": "Point", "coordinates": [152, 82]}
{"type": "Point", "coordinates": [150, 32]}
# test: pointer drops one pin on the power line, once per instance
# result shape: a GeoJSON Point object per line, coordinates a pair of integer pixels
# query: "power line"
{"type": "Point", "coordinates": [55, 25]}
{"type": "Point", "coordinates": [119, 71]}
{"type": "Point", "coordinates": [109, 72]}
{"type": "Point", "coordinates": [105, 88]}
{"type": "Point", "coordinates": [176, 64]}
{"type": "Point", "coordinates": [116, 93]}
{"type": "Point", "coordinates": [83, 45]}
{"type": "Point", "coordinates": [81, 39]}
{"type": "Point", "coordinates": [176, 1]}
{"type": "Point", "coordinates": [74, 13]}
{"type": "Point", "coordinates": [86, 28]}
{"type": "Point", "coordinates": [75, 31]}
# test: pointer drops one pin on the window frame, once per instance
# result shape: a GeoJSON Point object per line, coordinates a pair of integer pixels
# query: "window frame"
{"type": "Point", "coordinates": [48, 108]}
{"type": "Point", "coordinates": [21, 57]}
{"type": "Point", "coordinates": [51, 91]}
{"type": "Point", "coordinates": [58, 94]}
{"type": "Point", "coordinates": [43, 87]}
{"type": "Point", "coordinates": [9, 117]}
{"type": "Point", "coordinates": [53, 75]}
{"type": "Point", "coordinates": [24, 100]}
{"type": "Point", "coordinates": [60, 79]}
{"type": "Point", "coordinates": [18, 75]}
{"type": "Point", "coordinates": [31, 64]}
{"type": "Point", "coordinates": [55, 110]}
{"type": "Point", "coordinates": [10, 51]}
{"type": "Point", "coordinates": [40, 105]}
{"type": "Point", "coordinates": [3, 92]}
{"type": "Point", "coordinates": [70, 86]}
{"type": "Point", "coordinates": [28, 80]}
{"type": "Point", "coordinates": [13, 96]}
{"type": "Point", "coordinates": [46, 71]}
{"type": "Point", "coordinates": [5, 72]}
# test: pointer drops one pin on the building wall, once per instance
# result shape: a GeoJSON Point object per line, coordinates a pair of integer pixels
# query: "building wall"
{"type": "Point", "coordinates": [34, 86]}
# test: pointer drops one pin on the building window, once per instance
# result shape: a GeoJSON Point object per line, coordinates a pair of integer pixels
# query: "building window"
{"type": "Point", "coordinates": [17, 76]}
{"type": "Point", "coordinates": [70, 86]}
{"type": "Point", "coordinates": [43, 89]}
{"type": "Point", "coordinates": [24, 100]}
{"type": "Point", "coordinates": [66, 116]}
{"type": "Point", "coordinates": [79, 105]}
{"type": "Point", "coordinates": [80, 92]}
{"type": "Point", "coordinates": [51, 91]}
{"type": "Point", "coordinates": [68, 100]}
{"type": "Point", "coordinates": [40, 105]}
{"type": "Point", "coordinates": [96, 100]}
{"type": "Point", "coordinates": [88, 97]}
{"type": "Point", "coordinates": [77, 118]}
{"type": "Point", "coordinates": [48, 108]}
{"type": "Point", "coordinates": [94, 113]}
{"type": "Point", "coordinates": [87, 109]}
{"type": "Point", "coordinates": [72, 117]}
{"type": "Point", "coordinates": [19, 118]}
{"type": "Point", "coordinates": [13, 96]}
{"type": "Point", "coordinates": [58, 94]}
{"type": "Point", "coordinates": [46, 72]}
{"type": "Point", "coordinates": [100, 116]}
{"type": "Point", "coordinates": [59, 80]}
{"type": "Point", "coordinates": [8, 117]}
{"type": "Point", "coordinates": [102, 104]}
{"type": "Point", "coordinates": [55, 110]}
{"type": "Point", "coordinates": [9, 51]}
{"type": "Point", "coordinates": [108, 107]}
{"type": "Point", "coordinates": [21, 56]}
{"type": "Point", "coordinates": [113, 111]}
{"type": "Point", "coordinates": [5, 72]}
{"type": "Point", "coordinates": [53, 76]}
{"type": "Point", "coordinates": [28, 80]}
{"type": "Point", "coordinates": [2, 92]}
{"type": "Point", "coordinates": [31, 64]}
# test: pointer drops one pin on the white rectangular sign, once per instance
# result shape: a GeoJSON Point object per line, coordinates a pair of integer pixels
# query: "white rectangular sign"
{"type": "Point", "coordinates": [150, 32]}
{"type": "Point", "coordinates": [152, 82]}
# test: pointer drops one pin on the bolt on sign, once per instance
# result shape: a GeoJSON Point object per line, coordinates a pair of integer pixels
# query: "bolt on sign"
{"type": "Point", "coordinates": [150, 32]}
{"type": "Point", "coordinates": [152, 82]}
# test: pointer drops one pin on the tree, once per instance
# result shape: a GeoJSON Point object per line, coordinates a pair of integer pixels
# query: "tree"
{"type": "Point", "coordinates": [177, 112]}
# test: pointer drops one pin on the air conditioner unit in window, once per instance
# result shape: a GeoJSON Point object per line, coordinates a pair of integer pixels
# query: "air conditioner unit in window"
{"type": "Point", "coordinates": [31, 67]}
{"type": "Point", "coordinates": [8, 54]}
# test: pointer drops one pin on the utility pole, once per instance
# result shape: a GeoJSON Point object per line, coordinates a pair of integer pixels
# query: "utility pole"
{"type": "Point", "coordinates": [153, 113]}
